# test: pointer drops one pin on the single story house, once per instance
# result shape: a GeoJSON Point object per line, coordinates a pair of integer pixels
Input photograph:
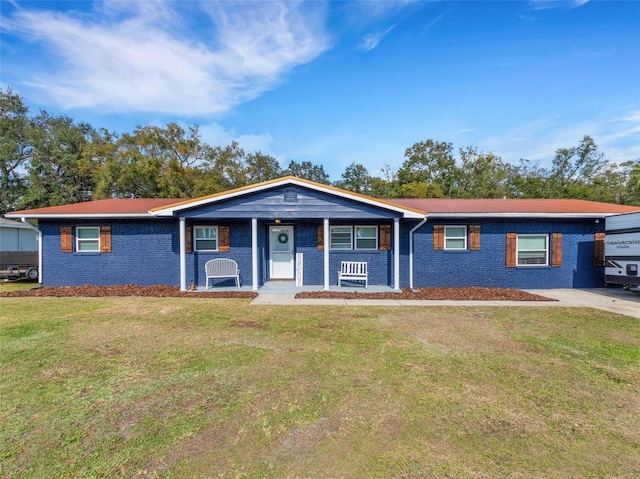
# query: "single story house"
{"type": "Point", "coordinates": [298, 230]}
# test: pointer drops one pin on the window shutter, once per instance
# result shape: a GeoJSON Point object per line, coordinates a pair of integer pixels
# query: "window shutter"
{"type": "Point", "coordinates": [598, 249]}
{"type": "Point", "coordinates": [321, 238]}
{"type": "Point", "coordinates": [512, 239]}
{"type": "Point", "coordinates": [385, 237]}
{"type": "Point", "coordinates": [66, 239]}
{"type": "Point", "coordinates": [438, 237]}
{"type": "Point", "coordinates": [105, 239]}
{"type": "Point", "coordinates": [223, 239]}
{"type": "Point", "coordinates": [188, 239]}
{"type": "Point", "coordinates": [556, 250]}
{"type": "Point", "coordinates": [474, 237]}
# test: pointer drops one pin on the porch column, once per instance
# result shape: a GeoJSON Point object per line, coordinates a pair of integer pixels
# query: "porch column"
{"type": "Point", "coordinates": [396, 253]}
{"type": "Point", "coordinates": [327, 246]}
{"type": "Point", "coordinates": [183, 255]}
{"type": "Point", "coordinates": [254, 254]}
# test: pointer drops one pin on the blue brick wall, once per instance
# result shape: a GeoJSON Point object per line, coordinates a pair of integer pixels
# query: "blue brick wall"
{"type": "Point", "coordinates": [146, 252]}
{"type": "Point", "coordinates": [487, 267]}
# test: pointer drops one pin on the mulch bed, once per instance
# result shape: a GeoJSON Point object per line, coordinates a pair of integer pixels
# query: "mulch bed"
{"type": "Point", "coordinates": [163, 291]}
{"type": "Point", "coordinates": [157, 291]}
{"type": "Point", "coordinates": [469, 294]}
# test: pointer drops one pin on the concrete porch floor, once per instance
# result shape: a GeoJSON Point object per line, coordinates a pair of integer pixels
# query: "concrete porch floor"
{"type": "Point", "coordinates": [289, 288]}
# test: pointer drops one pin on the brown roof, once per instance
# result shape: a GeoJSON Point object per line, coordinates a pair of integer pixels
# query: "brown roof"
{"type": "Point", "coordinates": [513, 206]}
{"type": "Point", "coordinates": [431, 206]}
{"type": "Point", "coordinates": [125, 207]}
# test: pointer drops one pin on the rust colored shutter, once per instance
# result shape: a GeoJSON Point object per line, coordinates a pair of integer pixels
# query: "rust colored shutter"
{"type": "Point", "coordinates": [66, 239]}
{"type": "Point", "coordinates": [223, 239]}
{"type": "Point", "coordinates": [105, 239]}
{"type": "Point", "coordinates": [188, 239]}
{"type": "Point", "coordinates": [321, 238]}
{"type": "Point", "coordinates": [385, 237]}
{"type": "Point", "coordinates": [474, 237]}
{"type": "Point", "coordinates": [438, 237]}
{"type": "Point", "coordinates": [556, 250]}
{"type": "Point", "coordinates": [512, 239]}
{"type": "Point", "coordinates": [598, 249]}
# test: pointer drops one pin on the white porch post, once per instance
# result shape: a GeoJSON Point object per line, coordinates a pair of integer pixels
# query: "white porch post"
{"type": "Point", "coordinates": [327, 246]}
{"type": "Point", "coordinates": [183, 256]}
{"type": "Point", "coordinates": [254, 254]}
{"type": "Point", "coordinates": [396, 253]}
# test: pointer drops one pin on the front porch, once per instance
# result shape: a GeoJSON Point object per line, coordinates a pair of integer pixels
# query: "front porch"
{"type": "Point", "coordinates": [289, 287]}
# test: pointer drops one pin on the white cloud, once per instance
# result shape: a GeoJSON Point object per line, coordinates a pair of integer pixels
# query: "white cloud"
{"type": "Point", "coordinates": [138, 56]}
{"type": "Point", "coordinates": [565, 4]}
{"type": "Point", "coordinates": [618, 138]}
{"type": "Point", "coordinates": [372, 40]}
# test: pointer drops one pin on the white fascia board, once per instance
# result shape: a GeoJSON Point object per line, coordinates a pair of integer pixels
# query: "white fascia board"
{"type": "Point", "coordinates": [83, 216]}
{"type": "Point", "coordinates": [241, 192]}
{"type": "Point", "coordinates": [520, 215]}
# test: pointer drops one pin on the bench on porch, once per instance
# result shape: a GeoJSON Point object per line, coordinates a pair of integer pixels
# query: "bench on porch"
{"type": "Point", "coordinates": [222, 268]}
{"type": "Point", "coordinates": [353, 271]}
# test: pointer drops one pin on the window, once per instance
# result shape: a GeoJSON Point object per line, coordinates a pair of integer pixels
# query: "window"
{"type": "Point", "coordinates": [206, 238]}
{"type": "Point", "coordinates": [455, 237]}
{"type": "Point", "coordinates": [366, 237]}
{"type": "Point", "coordinates": [87, 238]}
{"type": "Point", "coordinates": [340, 237]}
{"type": "Point", "coordinates": [533, 250]}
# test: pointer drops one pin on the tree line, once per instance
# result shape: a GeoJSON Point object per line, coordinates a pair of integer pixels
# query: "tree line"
{"type": "Point", "coordinates": [48, 160]}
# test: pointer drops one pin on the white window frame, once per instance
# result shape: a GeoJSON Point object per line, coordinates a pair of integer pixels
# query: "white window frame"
{"type": "Point", "coordinates": [519, 250]}
{"type": "Point", "coordinates": [465, 238]}
{"type": "Point", "coordinates": [355, 237]}
{"type": "Point", "coordinates": [196, 228]}
{"type": "Point", "coordinates": [345, 227]}
{"type": "Point", "coordinates": [87, 241]}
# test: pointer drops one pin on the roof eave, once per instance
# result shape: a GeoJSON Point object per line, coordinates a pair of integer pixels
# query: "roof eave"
{"type": "Point", "coordinates": [78, 216]}
{"type": "Point", "coordinates": [521, 215]}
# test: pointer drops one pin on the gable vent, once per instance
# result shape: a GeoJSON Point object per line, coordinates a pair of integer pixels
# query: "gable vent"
{"type": "Point", "coordinates": [290, 196]}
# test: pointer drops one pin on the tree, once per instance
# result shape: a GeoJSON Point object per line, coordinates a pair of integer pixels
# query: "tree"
{"type": "Point", "coordinates": [308, 171]}
{"type": "Point", "coordinates": [433, 163]}
{"type": "Point", "coordinates": [575, 168]}
{"type": "Point", "coordinates": [356, 178]}
{"type": "Point", "coordinates": [529, 180]}
{"type": "Point", "coordinates": [58, 172]}
{"type": "Point", "coordinates": [153, 162]}
{"type": "Point", "coordinates": [15, 149]}
{"type": "Point", "coordinates": [482, 175]}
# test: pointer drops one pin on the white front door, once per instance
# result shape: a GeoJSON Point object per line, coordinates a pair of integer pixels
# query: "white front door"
{"type": "Point", "coordinates": [281, 252]}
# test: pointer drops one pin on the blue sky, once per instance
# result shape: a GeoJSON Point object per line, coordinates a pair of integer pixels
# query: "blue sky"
{"type": "Point", "coordinates": [338, 82]}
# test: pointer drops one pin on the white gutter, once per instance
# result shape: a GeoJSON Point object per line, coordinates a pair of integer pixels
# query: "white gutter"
{"type": "Point", "coordinates": [39, 257]}
{"type": "Point", "coordinates": [522, 215]}
{"type": "Point", "coordinates": [411, 250]}
{"type": "Point", "coordinates": [79, 216]}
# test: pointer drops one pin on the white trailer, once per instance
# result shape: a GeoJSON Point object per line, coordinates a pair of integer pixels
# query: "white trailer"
{"type": "Point", "coordinates": [622, 250]}
{"type": "Point", "coordinates": [18, 250]}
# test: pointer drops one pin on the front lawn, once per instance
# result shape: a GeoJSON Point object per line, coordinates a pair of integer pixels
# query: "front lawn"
{"type": "Point", "coordinates": [174, 387]}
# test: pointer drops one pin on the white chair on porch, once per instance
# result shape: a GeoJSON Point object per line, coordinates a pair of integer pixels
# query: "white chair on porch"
{"type": "Point", "coordinates": [221, 268]}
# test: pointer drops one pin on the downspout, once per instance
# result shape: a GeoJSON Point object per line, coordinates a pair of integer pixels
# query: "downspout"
{"type": "Point", "coordinates": [413, 230]}
{"type": "Point", "coordinates": [327, 247]}
{"type": "Point", "coordinates": [39, 257]}
{"type": "Point", "coordinates": [183, 255]}
{"type": "Point", "coordinates": [254, 254]}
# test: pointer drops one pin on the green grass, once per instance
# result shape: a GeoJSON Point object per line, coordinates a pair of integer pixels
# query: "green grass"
{"type": "Point", "coordinates": [19, 285]}
{"type": "Point", "coordinates": [167, 387]}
